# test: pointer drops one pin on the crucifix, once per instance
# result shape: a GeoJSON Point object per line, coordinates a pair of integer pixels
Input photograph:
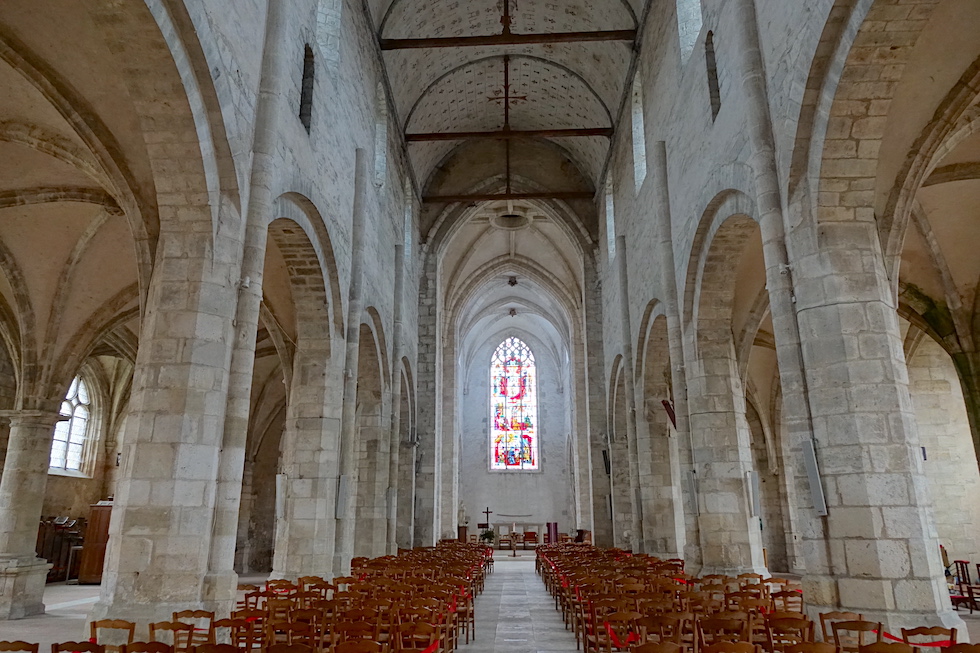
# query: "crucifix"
{"type": "Point", "coordinates": [488, 512]}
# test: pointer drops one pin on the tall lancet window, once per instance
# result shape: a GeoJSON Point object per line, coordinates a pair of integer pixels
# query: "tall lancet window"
{"type": "Point", "coordinates": [513, 407]}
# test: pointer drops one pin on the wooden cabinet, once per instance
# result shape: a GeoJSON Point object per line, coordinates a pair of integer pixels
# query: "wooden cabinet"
{"type": "Point", "coordinates": [93, 548]}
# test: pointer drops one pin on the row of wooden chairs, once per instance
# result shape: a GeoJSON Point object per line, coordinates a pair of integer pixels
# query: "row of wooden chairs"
{"type": "Point", "coordinates": [720, 609]}
{"type": "Point", "coordinates": [159, 647]}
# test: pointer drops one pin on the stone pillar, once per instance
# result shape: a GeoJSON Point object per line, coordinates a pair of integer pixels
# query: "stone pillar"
{"type": "Point", "coordinates": [221, 581]}
{"type": "Point", "coordinates": [25, 475]}
{"type": "Point", "coordinates": [370, 530]}
{"type": "Point", "coordinates": [686, 532]}
{"type": "Point", "coordinates": [347, 496]}
{"type": "Point", "coordinates": [429, 436]}
{"type": "Point", "coordinates": [594, 486]}
{"type": "Point", "coordinates": [395, 423]}
{"type": "Point", "coordinates": [877, 552]}
{"type": "Point", "coordinates": [626, 328]}
{"type": "Point", "coordinates": [448, 427]}
{"type": "Point", "coordinates": [779, 275]}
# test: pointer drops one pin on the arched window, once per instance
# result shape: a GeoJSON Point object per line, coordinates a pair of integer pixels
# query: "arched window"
{"type": "Point", "coordinates": [306, 90]}
{"type": "Point", "coordinates": [68, 447]}
{"type": "Point", "coordinates": [513, 407]}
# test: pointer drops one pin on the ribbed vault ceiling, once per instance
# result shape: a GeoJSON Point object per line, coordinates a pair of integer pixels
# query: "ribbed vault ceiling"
{"type": "Point", "coordinates": [566, 84]}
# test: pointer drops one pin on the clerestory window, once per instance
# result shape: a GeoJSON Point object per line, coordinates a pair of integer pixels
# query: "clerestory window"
{"type": "Point", "coordinates": [513, 408]}
{"type": "Point", "coordinates": [70, 435]}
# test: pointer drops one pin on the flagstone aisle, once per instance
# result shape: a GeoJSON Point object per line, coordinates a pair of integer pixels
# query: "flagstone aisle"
{"type": "Point", "coordinates": [516, 614]}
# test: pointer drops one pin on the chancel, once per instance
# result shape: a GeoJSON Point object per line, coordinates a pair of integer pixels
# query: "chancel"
{"type": "Point", "coordinates": [302, 283]}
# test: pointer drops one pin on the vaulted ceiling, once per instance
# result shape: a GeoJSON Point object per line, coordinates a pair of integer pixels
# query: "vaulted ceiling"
{"type": "Point", "coordinates": [567, 63]}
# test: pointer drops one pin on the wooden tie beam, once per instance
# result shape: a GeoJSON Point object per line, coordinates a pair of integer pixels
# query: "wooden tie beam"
{"type": "Point", "coordinates": [512, 134]}
{"type": "Point", "coordinates": [509, 39]}
{"type": "Point", "coordinates": [491, 197]}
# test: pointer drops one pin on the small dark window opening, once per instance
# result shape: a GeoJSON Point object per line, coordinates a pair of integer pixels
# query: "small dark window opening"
{"type": "Point", "coordinates": [306, 93]}
{"type": "Point", "coordinates": [714, 90]}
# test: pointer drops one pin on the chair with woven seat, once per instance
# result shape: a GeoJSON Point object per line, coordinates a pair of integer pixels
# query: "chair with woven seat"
{"type": "Point", "coordinates": [125, 633]}
{"type": "Point", "coordinates": [215, 648]}
{"type": "Point", "coordinates": [782, 634]}
{"type": "Point", "coordinates": [731, 647]}
{"type": "Point", "coordinates": [658, 647]}
{"type": "Point", "coordinates": [886, 647]}
{"type": "Point", "coordinates": [77, 647]}
{"type": "Point", "coordinates": [828, 618]}
{"type": "Point", "coordinates": [711, 630]}
{"type": "Point", "coordinates": [288, 648]}
{"type": "Point", "coordinates": [814, 647]}
{"type": "Point", "coordinates": [962, 648]}
{"type": "Point", "coordinates": [201, 621]}
{"type": "Point", "coordinates": [851, 635]}
{"type": "Point", "coordinates": [149, 647]}
{"type": "Point", "coordinates": [175, 633]}
{"type": "Point", "coordinates": [913, 636]}
{"type": "Point", "coordinates": [354, 646]}
{"type": "Point", "coordinates": [19, 645]}
{"type": "Point", "coordinates": [787, 600]}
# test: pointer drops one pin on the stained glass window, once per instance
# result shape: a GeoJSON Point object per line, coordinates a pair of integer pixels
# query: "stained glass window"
{"type": "Point", "coordinates": [68, 445]}
{"type": "Point", "coordinates": [513, 407]}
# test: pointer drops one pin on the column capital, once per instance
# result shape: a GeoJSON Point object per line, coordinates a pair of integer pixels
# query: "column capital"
{"type": "Point", "coordinates": [40, 417]}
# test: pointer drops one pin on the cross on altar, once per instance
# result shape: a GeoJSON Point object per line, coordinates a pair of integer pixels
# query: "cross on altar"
{"type": "Point", "coordinates": [488, 512]}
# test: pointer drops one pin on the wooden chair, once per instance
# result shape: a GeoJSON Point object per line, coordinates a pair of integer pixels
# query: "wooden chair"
{"type": "Point", "coordinates": [912, 635]}
{"type": "Point", "coordinates": [731, 647]}
{"type": "Point", "coordinates": [77, 647]}
{"type": "Point", "coordinates": [782, 634]}
{"type": "Point", "coordinates": [850, 635]}
{"type": "Point", "coordinates": [828, 618]}
{"type": "Point", "coordinates": [530, 537]}
{"type": "Point", "coordinates": [281, 586]}
{"type": "Point", "coordinates": [358, 646]}
{"type": "Point", "coordinates": [658, 647]}
{"type": "Point", "coordinates": [19, 645]}
{"type": "Point", "coordinates": [962, 648]}
{"type": "Point", "coordinates": [712, 630]}
{"type": "Point", "coordinates": [288, 648]}
{"type": "Point", "coordinates": [179, 634]}
{"type": "Point", "coordinates": [886, 647]}
{"type": "Point", "coordinates": [124, 630]}
{"type": "Point", "coordinates": [658, 629]}
{"type": "Point", "coordinates": [620, 630]}
{"type": "Point", "coordinates": [815, 647]}
{"type": "Point", "coordinates": [148, 647]}
{"type": "Point", "coordinates": [417, 636]}
{"type": "Point", "coordinates": [201, 621]}
{"type": "Point", "coordinates": [216, 648]}
{"type": "Point", "coordinates": [787, 600]}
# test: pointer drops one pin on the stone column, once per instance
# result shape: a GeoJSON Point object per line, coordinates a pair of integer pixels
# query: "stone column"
{"type": "Point", "coordinates": [221, 581]}
{"type": "Point", "coordinates": [394, 423]}
{"type": "Point", "coordinates": [685, 532]}
{"type": "Point", "coordinates": [779, 275]}
{"type": "Point", "coordinates": [347, 496]}
{"type": "Point", "coordinates": [626, 327]}
{"type": "Point", "coordinates": [448, 426]}
{"type": "Point", "coordinates": [429, 436]}
{"type": "Point", "coordinates": [25, 475]}
{"type": "Point", "coordinates": [589, 378]}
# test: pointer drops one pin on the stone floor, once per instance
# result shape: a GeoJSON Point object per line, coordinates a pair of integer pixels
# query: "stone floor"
{"type": "Point", "coordinates": [513, 614]}
{"type": "Point", "coordinates": [516, 614]}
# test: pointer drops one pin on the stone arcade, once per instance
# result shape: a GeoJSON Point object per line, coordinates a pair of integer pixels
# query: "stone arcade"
{"type": "Point", "coordinates": [279, 242]}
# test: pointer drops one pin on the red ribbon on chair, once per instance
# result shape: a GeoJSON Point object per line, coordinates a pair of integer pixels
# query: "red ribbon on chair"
{"type": "Point", "coordinates": [632, 637]}
{"type": "Point", "coordinates": [941, 644]}
{"type": "Point", "coordinates": [432, 647]}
